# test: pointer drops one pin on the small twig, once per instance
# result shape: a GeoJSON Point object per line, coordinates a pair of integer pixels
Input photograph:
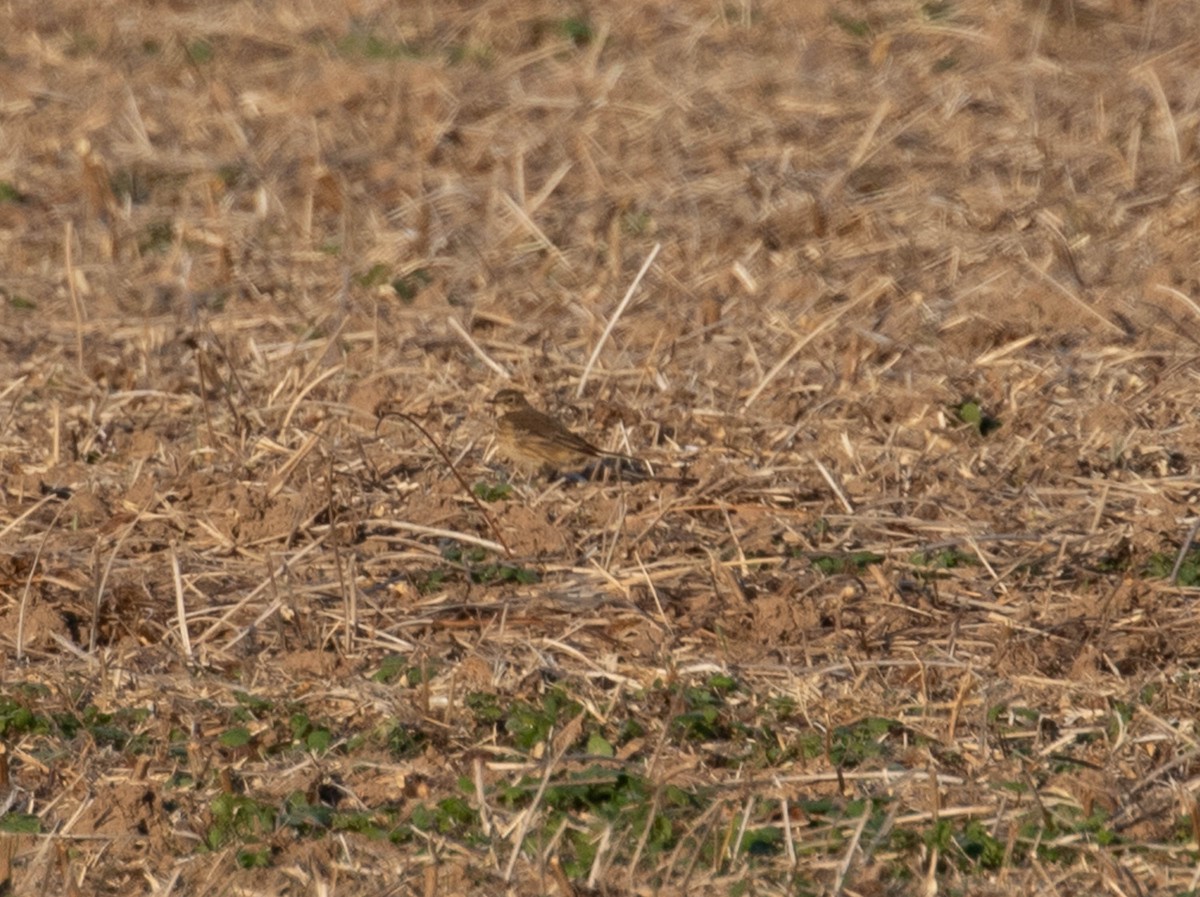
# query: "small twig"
{"type": "Point", "coordinates": [16, 521]}
{"type": "Point", "coordinates": [882, 834]}
{"type": "Point", "coordinates": [859, 155]}
{"type": "Point", "coordinates": [851, 848]}
{"type": "Point", "coordinates": [269, 582]}
{"type": "Point", "coordinates": [492, 525]}
{"type": "Point", "coordinates": [440, 533]}
{"type": "Point", "coordinates": [201, 359]}
{"type": "Point", "coordinates": [32, 570]}
{"type": "Point", "coordinates": [837, 490]}
{"type": "Point", "coordinates": [736, 847]}
{"type": "Point", "coordinates": [73, 292]}
{"type": "Point", "coordinates": [231, 365]}
{"type": "Point", "coordinates": [349, 600]}
{"type": "Point", "coordinates": [527, 816]}
{"type": "Point", "coordinates": [536, 232]}
{"type": "Point", "coordinates": [1181, 296]}
{"type": "Point", "coordinates": [305, 390]}
{"type": "Point", "coordinates": [789, 840]}
{"type": "Point", "coordinates": [1079, 301]}
{"type": "Point", "coordinates": [875, 290]}
{"type": "Point", "coordinates": [16, 403]}
{"type": "Point", "coordinates": [280, 477]}
{"type": "Point", "coordinates": [101, 580]}
{"type": "Point", "coordinates": [1164, 108]}
{"type": "Point", "coordinates": [475, 347]}
{"type": "Point", "coordinates": [1183, 550]}
{"type": "Point", "coordinates": [615, 316]}
{"type": "Point", "coordinates": [180, 607]}
{"type": "Point", "coordinates": [651, 813]}
{"type": "Point", "coordinates": [663, 620]}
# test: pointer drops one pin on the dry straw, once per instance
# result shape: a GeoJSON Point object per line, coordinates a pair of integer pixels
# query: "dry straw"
{"type": "Point", "coordinates": [920, 347]}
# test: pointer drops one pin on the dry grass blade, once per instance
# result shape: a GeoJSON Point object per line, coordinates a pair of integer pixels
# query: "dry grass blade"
{"type": "Point", "coordinates": [185, 641]}
{"type": "Point", "coordinates": [852, 847]}
{"type": "Point", "coordinates": [73, 291]}
{"type": "Point", "coordinates": [805, 340]}
{"type": "Point", "coordinates": [467, 490]}
{"type": "Point", "coordinates": [1186, 547]}
{"type": "Point", "coordinates": [454, 325]}
{"type": "Point", "coordinates": [525, 820]}
{"type": "Point", "coordinates": [616, 315]}
{"type": "Point", "coordinates": [27, 591]}
{"type": "Point", "coordinates": [918, 609]}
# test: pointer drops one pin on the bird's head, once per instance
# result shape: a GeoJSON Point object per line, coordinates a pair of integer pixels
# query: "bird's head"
{"type": "Point", "coordinates": [507, 400]}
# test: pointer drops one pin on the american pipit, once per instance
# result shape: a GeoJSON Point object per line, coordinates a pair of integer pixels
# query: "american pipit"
{"type": "Point", "coordinates": [536, 440]}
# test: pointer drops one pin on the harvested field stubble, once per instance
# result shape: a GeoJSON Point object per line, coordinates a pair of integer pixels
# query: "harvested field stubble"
{"type": "Point", "coordinates": [918, 332]}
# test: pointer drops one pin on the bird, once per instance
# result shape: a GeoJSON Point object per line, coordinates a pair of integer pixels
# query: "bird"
{"type": "Point", "coordinates": [535, 440]}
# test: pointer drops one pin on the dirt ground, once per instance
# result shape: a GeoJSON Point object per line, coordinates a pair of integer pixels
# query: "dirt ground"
{"type": "Point", "coordinates": [900, 299]}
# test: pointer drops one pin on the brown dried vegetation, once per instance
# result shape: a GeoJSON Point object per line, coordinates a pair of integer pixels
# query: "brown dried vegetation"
{"type": "Point", "coordinates": [256, 640]}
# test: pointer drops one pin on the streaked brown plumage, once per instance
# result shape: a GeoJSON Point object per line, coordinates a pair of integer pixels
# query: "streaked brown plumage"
{"type": "Point", "coordinates": [536, 440]}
